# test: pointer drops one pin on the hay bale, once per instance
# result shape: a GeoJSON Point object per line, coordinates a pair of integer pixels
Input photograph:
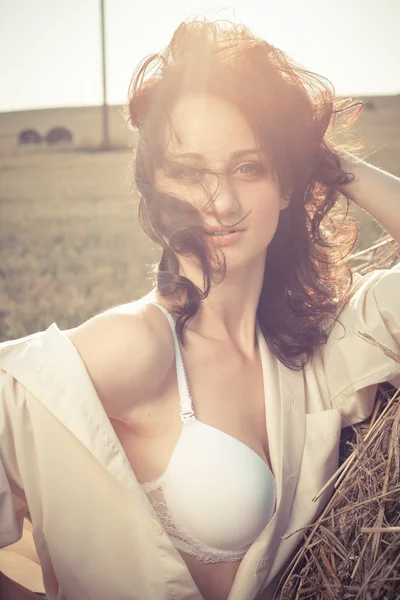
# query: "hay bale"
{"type": "Point", "coordinates": [352, 551]}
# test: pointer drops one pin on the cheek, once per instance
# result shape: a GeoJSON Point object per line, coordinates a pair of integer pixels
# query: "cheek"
{"type": "Point", "coordinates": [162, 184]}
{"type": "Point", "coordinates": [265, 209]}
{"type": "Point", "coordinates": [178, 190]}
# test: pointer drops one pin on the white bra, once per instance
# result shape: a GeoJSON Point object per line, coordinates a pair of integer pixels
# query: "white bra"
{"type": "Point", "coordinates": [217, 495]}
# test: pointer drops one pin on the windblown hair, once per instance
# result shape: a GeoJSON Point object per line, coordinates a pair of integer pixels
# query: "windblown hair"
{"type": "Point", "coordinates": [306, 278]}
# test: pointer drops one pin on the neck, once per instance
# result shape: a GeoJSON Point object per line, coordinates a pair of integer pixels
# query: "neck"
{"type": "Point", "coordinates": [229, 312]}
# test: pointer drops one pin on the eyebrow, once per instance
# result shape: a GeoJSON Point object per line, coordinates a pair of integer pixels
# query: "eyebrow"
{"type": "Point", "coordinates": [236, 154]}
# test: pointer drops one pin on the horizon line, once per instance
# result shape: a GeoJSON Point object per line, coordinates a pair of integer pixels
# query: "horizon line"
{"type": "Point", "coordinates": [120, 104]}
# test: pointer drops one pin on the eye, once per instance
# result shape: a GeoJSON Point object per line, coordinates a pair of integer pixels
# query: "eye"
{"type": "Point", "coordinates": [187, 172]}
{"type": "Point", "coordinates": [183, 172]}
{"type": "Point", "coordinates": [250, 169]}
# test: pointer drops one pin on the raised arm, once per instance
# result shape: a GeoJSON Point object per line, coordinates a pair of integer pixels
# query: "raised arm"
{"type": "Point", "coordinates": [375, 190]}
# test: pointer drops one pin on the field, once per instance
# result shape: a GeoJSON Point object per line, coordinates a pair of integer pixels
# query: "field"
{"type": "Point", "coordinates": [70, 243]}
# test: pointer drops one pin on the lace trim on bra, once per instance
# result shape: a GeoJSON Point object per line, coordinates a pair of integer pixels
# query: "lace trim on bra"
{"type": "Point", "coordinates": [172, 524]}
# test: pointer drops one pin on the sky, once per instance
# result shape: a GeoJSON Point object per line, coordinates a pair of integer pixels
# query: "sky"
{"type": "Point", "coordinates": [50, 50]}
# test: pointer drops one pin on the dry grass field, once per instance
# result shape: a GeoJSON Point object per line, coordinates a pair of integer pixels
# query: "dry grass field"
{"type": "Point", "coordinates": [70, 244]}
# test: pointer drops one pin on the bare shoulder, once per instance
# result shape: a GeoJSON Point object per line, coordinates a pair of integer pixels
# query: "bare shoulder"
{"type": "Point", "coordinates": [128, 352]}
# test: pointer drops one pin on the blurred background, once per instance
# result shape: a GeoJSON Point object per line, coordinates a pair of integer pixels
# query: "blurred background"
{"type": "Point", "coordinates": [70, 244]}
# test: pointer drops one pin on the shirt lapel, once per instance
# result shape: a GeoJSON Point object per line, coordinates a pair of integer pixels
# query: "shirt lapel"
{"type": "Point", "coordinates": [284, 391]}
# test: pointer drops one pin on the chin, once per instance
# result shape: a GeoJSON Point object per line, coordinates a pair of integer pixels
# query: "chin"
{"type": "Point", "coordinates": [236, 261]}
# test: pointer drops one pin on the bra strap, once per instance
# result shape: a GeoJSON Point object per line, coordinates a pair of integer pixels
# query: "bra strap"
{"type": "Point", "coordinates": [183, 386]}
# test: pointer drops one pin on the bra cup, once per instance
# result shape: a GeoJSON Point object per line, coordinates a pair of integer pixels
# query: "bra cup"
{"type": "Point", "coordinates": [220, 490]}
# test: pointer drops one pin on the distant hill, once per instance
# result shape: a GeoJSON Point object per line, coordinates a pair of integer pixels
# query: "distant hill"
{"type": "Point", "coordinates": [84, 122]}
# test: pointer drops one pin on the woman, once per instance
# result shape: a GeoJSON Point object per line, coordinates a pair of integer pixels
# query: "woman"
{"type": "Point", "coordinates": [251, 329]}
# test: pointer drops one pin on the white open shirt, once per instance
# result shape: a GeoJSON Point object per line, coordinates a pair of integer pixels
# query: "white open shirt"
{"type": "Point", "coordinates": [96, 534]}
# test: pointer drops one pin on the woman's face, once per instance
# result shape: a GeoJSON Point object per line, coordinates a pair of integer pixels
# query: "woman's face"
{"type": "Point", "coordinates": [216, 136]}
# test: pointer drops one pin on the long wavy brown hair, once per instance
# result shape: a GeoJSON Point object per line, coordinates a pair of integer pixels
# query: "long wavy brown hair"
{"type": "Point", "coordinates": [292, 112]}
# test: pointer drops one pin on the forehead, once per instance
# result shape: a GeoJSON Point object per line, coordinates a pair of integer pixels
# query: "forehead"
{"type": "Point", "coordinates": [207, 125]}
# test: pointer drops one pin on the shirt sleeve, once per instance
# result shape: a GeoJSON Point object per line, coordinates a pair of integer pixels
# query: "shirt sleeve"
{"type": "Point", "coordinates": [353, 366]}
{"type": "Point", "coordinates": [13, 504]}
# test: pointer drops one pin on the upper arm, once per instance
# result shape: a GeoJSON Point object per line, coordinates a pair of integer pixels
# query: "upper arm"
{"type": "Point", "coordinates": [126, 356]}
{"type": "Point", "coordinates": [354, 366]}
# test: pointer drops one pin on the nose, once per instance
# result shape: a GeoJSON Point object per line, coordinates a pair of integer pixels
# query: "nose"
{"type": "Point", "coordinates": [226, 201]}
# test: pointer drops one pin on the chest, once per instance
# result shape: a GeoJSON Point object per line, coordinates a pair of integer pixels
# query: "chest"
{"type": "Point", "coordinates": [227, 393]}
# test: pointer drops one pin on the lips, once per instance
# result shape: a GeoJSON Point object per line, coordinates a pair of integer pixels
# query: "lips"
{"type": "Point", "coordinates": [220, 238]}
{"type": "Point", "coordinates": [222, 230]}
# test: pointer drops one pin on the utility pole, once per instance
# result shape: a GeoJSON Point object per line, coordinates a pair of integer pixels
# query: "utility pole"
{"type": "Point", "coordinates": [106, 141]}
